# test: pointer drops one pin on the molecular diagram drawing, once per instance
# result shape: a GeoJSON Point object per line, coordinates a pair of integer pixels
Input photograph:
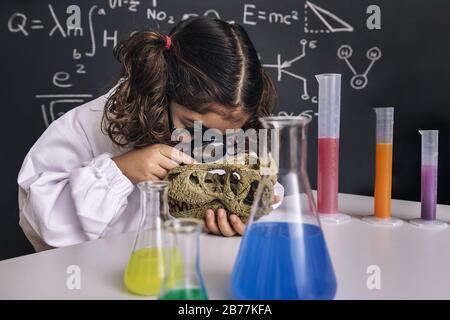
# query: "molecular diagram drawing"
{"type": "Point", "coordinates": [282, 66]}
{"type": "Point", "coordinates": [358, 80]}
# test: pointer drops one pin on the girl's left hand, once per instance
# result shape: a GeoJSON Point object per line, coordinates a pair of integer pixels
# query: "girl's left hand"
{"type": "Point", "coordinates": [225, 226]}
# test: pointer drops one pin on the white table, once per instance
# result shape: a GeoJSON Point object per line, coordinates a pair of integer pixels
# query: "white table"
{"type": "Point", "coordinates": [414, 263]}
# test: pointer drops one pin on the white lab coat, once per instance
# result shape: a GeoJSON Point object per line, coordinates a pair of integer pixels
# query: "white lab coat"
{"type": "Point", "coordinates": [70, 191]}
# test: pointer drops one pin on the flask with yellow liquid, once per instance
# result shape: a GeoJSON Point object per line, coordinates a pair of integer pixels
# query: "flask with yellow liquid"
{"type": "Point", "coordinates": [146, 268]}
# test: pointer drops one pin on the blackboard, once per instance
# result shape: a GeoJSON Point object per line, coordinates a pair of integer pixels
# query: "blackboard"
{"type": "Point", "coordinates": [51, 64]}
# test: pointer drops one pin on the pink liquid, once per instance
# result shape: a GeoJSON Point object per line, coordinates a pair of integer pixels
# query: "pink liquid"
{"type": "Point", "coordinates": [429, 192]}
{"type": "Point", "coordinates": [328, 175]}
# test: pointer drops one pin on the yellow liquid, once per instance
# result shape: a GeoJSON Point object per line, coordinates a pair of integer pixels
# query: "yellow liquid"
{"type": "Point", "coordinates": [145, 271]}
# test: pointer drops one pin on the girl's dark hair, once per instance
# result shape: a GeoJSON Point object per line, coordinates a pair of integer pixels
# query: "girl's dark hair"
{"type": "Point", "coordinates": [209, 61]}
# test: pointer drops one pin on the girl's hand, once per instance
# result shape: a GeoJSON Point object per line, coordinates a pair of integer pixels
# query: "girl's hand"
{"type": "Point", "coordinates": [150, 163]}
{"type": "Point", "coordinates": [225, 226]}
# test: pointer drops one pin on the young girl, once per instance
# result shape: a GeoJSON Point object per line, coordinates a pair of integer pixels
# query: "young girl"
{"type": "Point", "coordinates": [77, 182]}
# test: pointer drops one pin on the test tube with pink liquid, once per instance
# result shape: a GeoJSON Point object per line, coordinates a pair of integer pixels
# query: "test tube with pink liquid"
{"type": "Point", "coordinates": [429, 178]}
{"type": "Point", "coordinates": [328, 149]}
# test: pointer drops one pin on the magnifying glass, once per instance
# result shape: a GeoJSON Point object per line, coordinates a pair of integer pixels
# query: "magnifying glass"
{"type": "Point", "coordinates": [209, 151]}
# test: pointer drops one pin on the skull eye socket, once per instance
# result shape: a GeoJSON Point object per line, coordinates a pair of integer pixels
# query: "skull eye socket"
{"type": "Point", "coordinates": [172, 176]}
{"type": "Point", "coordinates": [234, 182]}
{"type": "Point", "coordinates": [194, 179]}
{"type": "Point", "coordinates": [251, 193]}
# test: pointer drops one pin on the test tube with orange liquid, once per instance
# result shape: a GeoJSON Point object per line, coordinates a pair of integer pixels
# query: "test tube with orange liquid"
{"type": "Point", "coordinates": [383, 169]}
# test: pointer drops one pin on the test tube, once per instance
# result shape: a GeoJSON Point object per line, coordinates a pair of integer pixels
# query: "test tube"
{"type": "Point", "coordinates": [429, 177]}
{"type": "Point", "coordinates": [383, 169]}
{"type": "Point", "coordinates": [328, 148]}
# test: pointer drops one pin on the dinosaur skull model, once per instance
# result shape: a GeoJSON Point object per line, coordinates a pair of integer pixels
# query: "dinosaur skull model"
{"type": "Point", "coordinates": [230, 185]}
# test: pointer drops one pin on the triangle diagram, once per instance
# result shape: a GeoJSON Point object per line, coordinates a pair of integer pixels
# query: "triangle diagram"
{"type": "Point", "coordinates": [331, 21]}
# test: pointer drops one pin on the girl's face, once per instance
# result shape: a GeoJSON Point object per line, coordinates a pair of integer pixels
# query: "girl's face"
{"type": "Point", "coordinates": [220, 118]}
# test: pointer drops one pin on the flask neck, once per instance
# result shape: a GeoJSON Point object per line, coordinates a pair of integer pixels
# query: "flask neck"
{"type": "Point", "coordinates": [153, 201]}
{"type": "Point", "coordinates": [288, 146]}
{"type": "Point", "coordinates": [153, 208]}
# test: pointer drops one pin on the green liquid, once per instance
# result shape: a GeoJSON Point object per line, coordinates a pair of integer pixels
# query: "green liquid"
{"type": "Point", "coordinates": [185, 294]}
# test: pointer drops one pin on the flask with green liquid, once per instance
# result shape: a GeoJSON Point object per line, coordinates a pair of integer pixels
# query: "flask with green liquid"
{"type": "Point", "coordinates": [183, 279]}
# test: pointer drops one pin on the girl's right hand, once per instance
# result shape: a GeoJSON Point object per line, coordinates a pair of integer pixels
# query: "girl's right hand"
{"type": "Point", "coordinates": [150, 163]}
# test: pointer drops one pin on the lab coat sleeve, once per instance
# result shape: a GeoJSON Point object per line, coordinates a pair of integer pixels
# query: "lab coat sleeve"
{"type": "Point", "coordinates": [68, 195]}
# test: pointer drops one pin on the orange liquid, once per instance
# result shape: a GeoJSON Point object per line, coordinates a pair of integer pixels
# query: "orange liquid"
{"type": "Point", "coordinates": [383, 180]}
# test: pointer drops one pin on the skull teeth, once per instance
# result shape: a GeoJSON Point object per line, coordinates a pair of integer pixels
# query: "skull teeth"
{"type": "Point", "coordinates": [179, 206]}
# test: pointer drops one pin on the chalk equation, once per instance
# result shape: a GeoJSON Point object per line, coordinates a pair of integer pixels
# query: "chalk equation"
{"type": "Point", "coordinates": [251, 16]}
{"type": "Point", "coordinates": [54, 106]}
{"type": "Point", "coordinates": [92, 26]}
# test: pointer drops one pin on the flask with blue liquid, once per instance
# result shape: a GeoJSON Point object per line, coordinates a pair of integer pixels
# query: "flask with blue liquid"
{"type": "Point", "coordinates": [283, 254]}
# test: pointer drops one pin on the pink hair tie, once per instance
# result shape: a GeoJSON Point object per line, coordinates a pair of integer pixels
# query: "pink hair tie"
{"type": "Point", "coordinates": [168, 42]}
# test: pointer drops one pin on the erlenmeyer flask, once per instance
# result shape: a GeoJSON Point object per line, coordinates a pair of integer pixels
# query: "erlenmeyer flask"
{"type": "Point", "coordinates": [183, 279]}
{"type": "Point", "coordinates": [283, 254]}
{"type": "Point", "coordinates": [145, 270]}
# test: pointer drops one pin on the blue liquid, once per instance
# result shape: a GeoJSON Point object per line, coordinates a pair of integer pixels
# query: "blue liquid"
{"type": "Point", "coordinates": [280, 260]}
